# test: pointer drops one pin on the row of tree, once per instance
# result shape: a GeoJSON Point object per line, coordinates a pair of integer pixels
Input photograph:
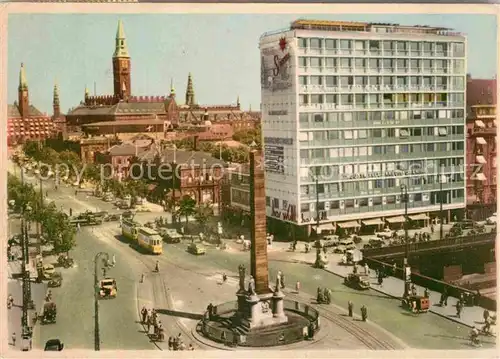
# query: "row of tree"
{"type": "Point", "coordinates": [56, 228]}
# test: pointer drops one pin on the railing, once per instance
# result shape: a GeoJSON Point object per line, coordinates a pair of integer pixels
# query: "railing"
{"type": "Point", "coordinates": [378, 140]}
{"type": "Point", "coordinates": [433, 284]}
{"type": "Point", "coordinates": [264, 339]}
{"type": "Point", "coordinates": [311, 88]}
{"type": "Point", "coordinates": [430, 245]}
{"type": "Point", "coordinates": [334, 125]}
{"type": "Point", "coordinates": [484, 131]}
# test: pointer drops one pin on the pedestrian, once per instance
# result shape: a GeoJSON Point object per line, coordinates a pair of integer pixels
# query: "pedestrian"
{"type": "Point", "coordinates": [170, 343]}
{"type": "Point", "coordinates": [486, 315]}
{"type": "Point", "coordinates": [271, 239]}
{"type": "Point", "coordinates": [459, 308]}
{"type": "Point", "coordinates": [297, 287]}
{"type": "Point", "coordinates": [367, 269]}
{"type": "Point", "coordinates": [142, 277]}
{"type": "Point", "coordinates": [144, 314]}
{"type": "Point", "coordinates": [282, 281]}
{"type": "Point", "coordinates": [355, 268]}
{"type": "Point", "coordinates": [10, 301]}
{"type": "Point", "coordinates": [426, 293]}
{"type": "Point", "coordinates": [14, 339]}
{"type": "Point", "coordinates": [350, 308]}
{"type": "Point", "coordinates": [413, 289]}
{"type": "Point", "coordinates": [364, 313]}
{"type": "Point", "coordinates": [394, 268]}
{"type": "Point", "coordinates": [445, 296]}
{"type": "Point", "coordinates": [150, 322]}
{"type": "Point", "coordinates": [432, 228]}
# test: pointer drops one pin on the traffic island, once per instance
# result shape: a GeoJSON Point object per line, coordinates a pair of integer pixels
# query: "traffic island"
{"type": "Point", "coordinates": [226, 326]}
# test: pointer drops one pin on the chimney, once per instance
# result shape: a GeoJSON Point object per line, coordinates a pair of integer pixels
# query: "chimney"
{"type": "Point", "coordinates": [195, 143]}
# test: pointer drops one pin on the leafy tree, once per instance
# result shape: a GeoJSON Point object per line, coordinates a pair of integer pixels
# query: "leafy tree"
{"type": "Point", "coordinates": [202, 215]}
{"type": "Point", "coordinates": [187, 207]}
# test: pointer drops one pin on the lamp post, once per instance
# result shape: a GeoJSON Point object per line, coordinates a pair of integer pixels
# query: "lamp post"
{"type": "Point", "coordinates": [97, 336]}
{"type": "Point", "coordinates": [406, 267]}
{"type": "Point", "coordinates": [442, 179]}
{"type": "Point", "coordinates": [317, 209]}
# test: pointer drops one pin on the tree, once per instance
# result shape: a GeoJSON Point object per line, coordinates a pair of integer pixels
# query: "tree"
{"type": "Point", "coordinates": [202, 215]}
{"type": "Point", "coordinates": [187, 207]}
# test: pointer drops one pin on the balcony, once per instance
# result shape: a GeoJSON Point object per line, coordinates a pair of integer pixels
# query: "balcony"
{"type": "Point", "coordinates": [319, 88]}
{"type": "Point", "coordinates": [304, 107]}
{"type": "Point", "coordinates": [334, 125]}
{"type": "Point", "coordinates": [484, 131]}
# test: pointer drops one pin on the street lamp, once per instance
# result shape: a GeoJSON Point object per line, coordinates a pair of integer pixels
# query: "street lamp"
{"type": "Point", "coordinates": [97, 336]}
{"type": "Point", "coordinates": [442, 179]}
{"type": "Point", "coordinates": [316, 179]}
{"type": "Point", "coordinates": [406, 267]}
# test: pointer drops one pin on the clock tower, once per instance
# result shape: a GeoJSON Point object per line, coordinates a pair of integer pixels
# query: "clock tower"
{"type": "Point", "coordinates": [121, 65]}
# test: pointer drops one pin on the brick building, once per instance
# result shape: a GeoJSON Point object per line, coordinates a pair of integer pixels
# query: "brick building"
{"type": "Point", "coordinates": [24, 121]}
{"type": "Point", "coordinates": [481, 146]}
{"type": "Point", "coordinates": [124, 113]}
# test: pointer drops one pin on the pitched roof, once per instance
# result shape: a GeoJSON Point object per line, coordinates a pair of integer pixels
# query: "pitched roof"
{"type": "Point", "coordinates": [92, 110]}
{"type": "Point", "coordinates": [13, 111]}
{"type": "Point", "coordinates": [186, 158]}
{"type": "Point", "coordinates": [125, 149]}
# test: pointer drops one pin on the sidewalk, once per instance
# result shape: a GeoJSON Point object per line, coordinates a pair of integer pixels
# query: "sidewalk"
{"type": "Point", "coordinates": [393, 287]}
{"type": "Point", "coordinates": [14, 315]}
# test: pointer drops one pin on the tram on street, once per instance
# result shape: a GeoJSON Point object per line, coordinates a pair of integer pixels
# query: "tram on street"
{"type": "Point", "coordinates": [130, 229]}
{"type": "Point", "coordinates": [151, 240]}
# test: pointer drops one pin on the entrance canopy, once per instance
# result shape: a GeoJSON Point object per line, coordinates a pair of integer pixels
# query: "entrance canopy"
{"type": "Point", "coordinates": [372, 222]}
{"type": "Point", "coordinates": [351, 224]}
{"type": "Point", "coordinates": [419, 217]}
{"type": "Point", "coordinates": [397, 219]}
{"type": "Point", "coordinates": [324, 227]}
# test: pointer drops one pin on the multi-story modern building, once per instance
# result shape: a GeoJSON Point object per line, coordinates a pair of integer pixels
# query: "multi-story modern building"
{"type": "Point", "coordinates": [481, 147]}
{"type": "Point", "coordinates": [353, 114]}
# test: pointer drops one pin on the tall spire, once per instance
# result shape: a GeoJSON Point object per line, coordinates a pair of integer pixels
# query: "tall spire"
{"type": "Point", "coordinates": [56, 94]}
{"type": "Point", "coordinates": [190, 101]}
{"type": "Point", "coordinates": [55, 102]}
{"type": "Point", "coordinates": [86, 91]}
{"type": "Point", "coordinates": [121, 49]}
{"type": "Point", "coordinates": [172, 89]}
{"type": "Point", "coordinates": [238, 101]}
{"type": "Point", "coordinates": [23, 84]}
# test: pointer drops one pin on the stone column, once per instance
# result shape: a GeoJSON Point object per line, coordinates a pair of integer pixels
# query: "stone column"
{"type": "Point", "coordinates": [258, 260]}
{"type": "Point", "coordinates": [253, 307]}
{"type": "Point", "coordinates": [278, 305]}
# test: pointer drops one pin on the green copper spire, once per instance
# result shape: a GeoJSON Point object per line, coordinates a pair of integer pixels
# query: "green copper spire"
{"type": "Point", "coordinates": [121, 49]}
{"type": "Point", "coordinates": [56, 94]}
{"type": "Point", "coordinates": [172, 89]}
{"type": "Point", "coordinates": [190, 92]}
{"type": "Point", "coordinates": [23, 84]}
{"type": "Point", "coordinates": [86, 91]}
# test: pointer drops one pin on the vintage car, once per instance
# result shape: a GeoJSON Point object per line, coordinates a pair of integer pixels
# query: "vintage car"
{"type": "Point", "coordinates": [171, 236]}
{"type": "Point", "coordinates": [376, 242]}
{"type": "Point", "coordinates": [48, 271]}
{"type": "Point", "coordinates": [55, 280]}
{"type": "Point", "coordinates": [196, 249]}
{"type": "Point", "coordinates": [112, 218]}
{"type": "Point", "coordinates": [328, 241]}
{"type": "Point", "coordinates": [107, 288]}
{"type": "Point", "coordinates": [348, 243]}
{"type": "Point", "coordinates": [340, 249]}
{"type": "Point", "coordinates": [53, 345]}
{"type": "Point", "coordinates": [357, 281]}
{"type": "Point", "coordinates": [415, 303]}
{"type": "Point", "coordinates": [492, 219]}
{"type": "Point", "coordinates": [128, 214]}
{"type": "Point", "coordinates": [385, 234]}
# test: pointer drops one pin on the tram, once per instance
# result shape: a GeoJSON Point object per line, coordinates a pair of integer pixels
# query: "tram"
{"type": "Point", "coordinates": [130, 229]}
{"type": "Point", "coordinates": [151, 240]}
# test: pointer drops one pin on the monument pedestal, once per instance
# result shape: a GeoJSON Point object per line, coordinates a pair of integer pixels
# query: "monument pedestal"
{"type": "Point", "coordinates": [278, 307]}
{"type": "Point", "coordinates": [261, 311]}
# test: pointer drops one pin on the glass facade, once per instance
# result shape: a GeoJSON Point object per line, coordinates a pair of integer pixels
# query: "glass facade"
{"type": "Point", "coordinates": [377, 114]}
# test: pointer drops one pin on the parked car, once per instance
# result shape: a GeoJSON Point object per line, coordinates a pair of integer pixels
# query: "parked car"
{"type": "Point", "coordinates": [376, 242]}
{"type": "Point", "coordinates": [331, 240]}
{"type": "Point", "coordinates": [385, 234]}
{"type": "Point", "coordinates": [48, 271]}
{"type": "Point", "coordinates": [55, 280]}
{"type": "Point", "coordinates": [171, 236]}
{"type": "Point", "coordinates": [357, 281]}
{"type": "Point", "coordinates": [347, 243]}
{"type": "Point", "coordinates": [492, 219]}
{"type": "Point", "coordinates": [54, 345]}
{"type": "Point", "coordinates": [108, 288]}
{"type": "Point", "coordinates": [340, 249]}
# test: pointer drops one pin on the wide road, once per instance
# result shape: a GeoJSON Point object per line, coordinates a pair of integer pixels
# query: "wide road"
{"type": "Point", "coordinates": [427, 331]}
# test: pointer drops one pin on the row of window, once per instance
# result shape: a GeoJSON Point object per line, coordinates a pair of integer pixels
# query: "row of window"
{"type": "Point", "coordinates": [380, 133]}
{"type": "Point", "coordinates": [457, 99]}
{"type": "Point", "coordinates": [377, 116]}
{"type": "Point", "coordinates": [433, 197]}
{"type": "Point", "coordinates": [416, 65]}
{"type": "Point", "coordinates": [322, 153]}
{"type": "Point", "coordinates": [366, 185]}
{"type": "Point", "coordinates": [457, 49]}
{"type": "Point", "coordinates": [380, 169]}
{"type": "Point", "coordinates": [457, 82]}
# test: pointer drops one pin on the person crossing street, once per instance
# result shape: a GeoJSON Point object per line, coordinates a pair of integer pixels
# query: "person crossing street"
{"type": "Point", "coordinates": [364, 313]}
{"type": "Point", "coordinates": [350, 308]}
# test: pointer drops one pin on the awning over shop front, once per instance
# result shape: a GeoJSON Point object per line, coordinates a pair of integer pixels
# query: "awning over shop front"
{"type": "Point", "coordinates": [351, 224]}
{"type": "Point", "coordinates": [480, 159]}
{"type": "Point", "coordinates": [419, 217]}
{"type": "Point", "coordinates": [480, 140]}
{"type": "Point", "coordinates": [397, 219]}
{"type": "Point", "coordinates": [480, 123]}
{"type": "Point", "coordinates": [324, 227]}
{"type": "Point", "coordinates": [372, 222]}
{"type": "Point", "coordinates": [480, 177]}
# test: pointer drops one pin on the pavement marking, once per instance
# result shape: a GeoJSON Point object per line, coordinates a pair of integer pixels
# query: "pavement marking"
{"type": "Point", "coordinates": [317, 277]}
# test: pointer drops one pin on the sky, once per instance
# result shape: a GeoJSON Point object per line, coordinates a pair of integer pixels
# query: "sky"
{"type": "Point", "coordinates": [221, 52]}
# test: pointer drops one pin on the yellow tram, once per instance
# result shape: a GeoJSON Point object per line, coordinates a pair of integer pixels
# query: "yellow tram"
{"type": "Point", "coordinates": [144, 237]}
{"type": "Point", "coordinates": [150, 239]}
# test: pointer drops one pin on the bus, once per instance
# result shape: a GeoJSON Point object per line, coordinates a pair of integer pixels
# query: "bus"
{"type": "Point", "coordinates": [130, 229]}
{"type": "Point", "coordinates": [151, 240]}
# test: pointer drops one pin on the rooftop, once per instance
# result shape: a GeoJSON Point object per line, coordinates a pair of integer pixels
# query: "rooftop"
{"type": "Point", "coordinates": [349, 26]}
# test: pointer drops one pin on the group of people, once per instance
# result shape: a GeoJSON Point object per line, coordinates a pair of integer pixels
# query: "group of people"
{"type": "Point", "coordinates": [176, 343]}
{"type": "Point", "coordinates": [364, 311]}
{"type": "Point", "coordinates": [150, 318]}
{"type": "Point", "coordinates": [324, 296]}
